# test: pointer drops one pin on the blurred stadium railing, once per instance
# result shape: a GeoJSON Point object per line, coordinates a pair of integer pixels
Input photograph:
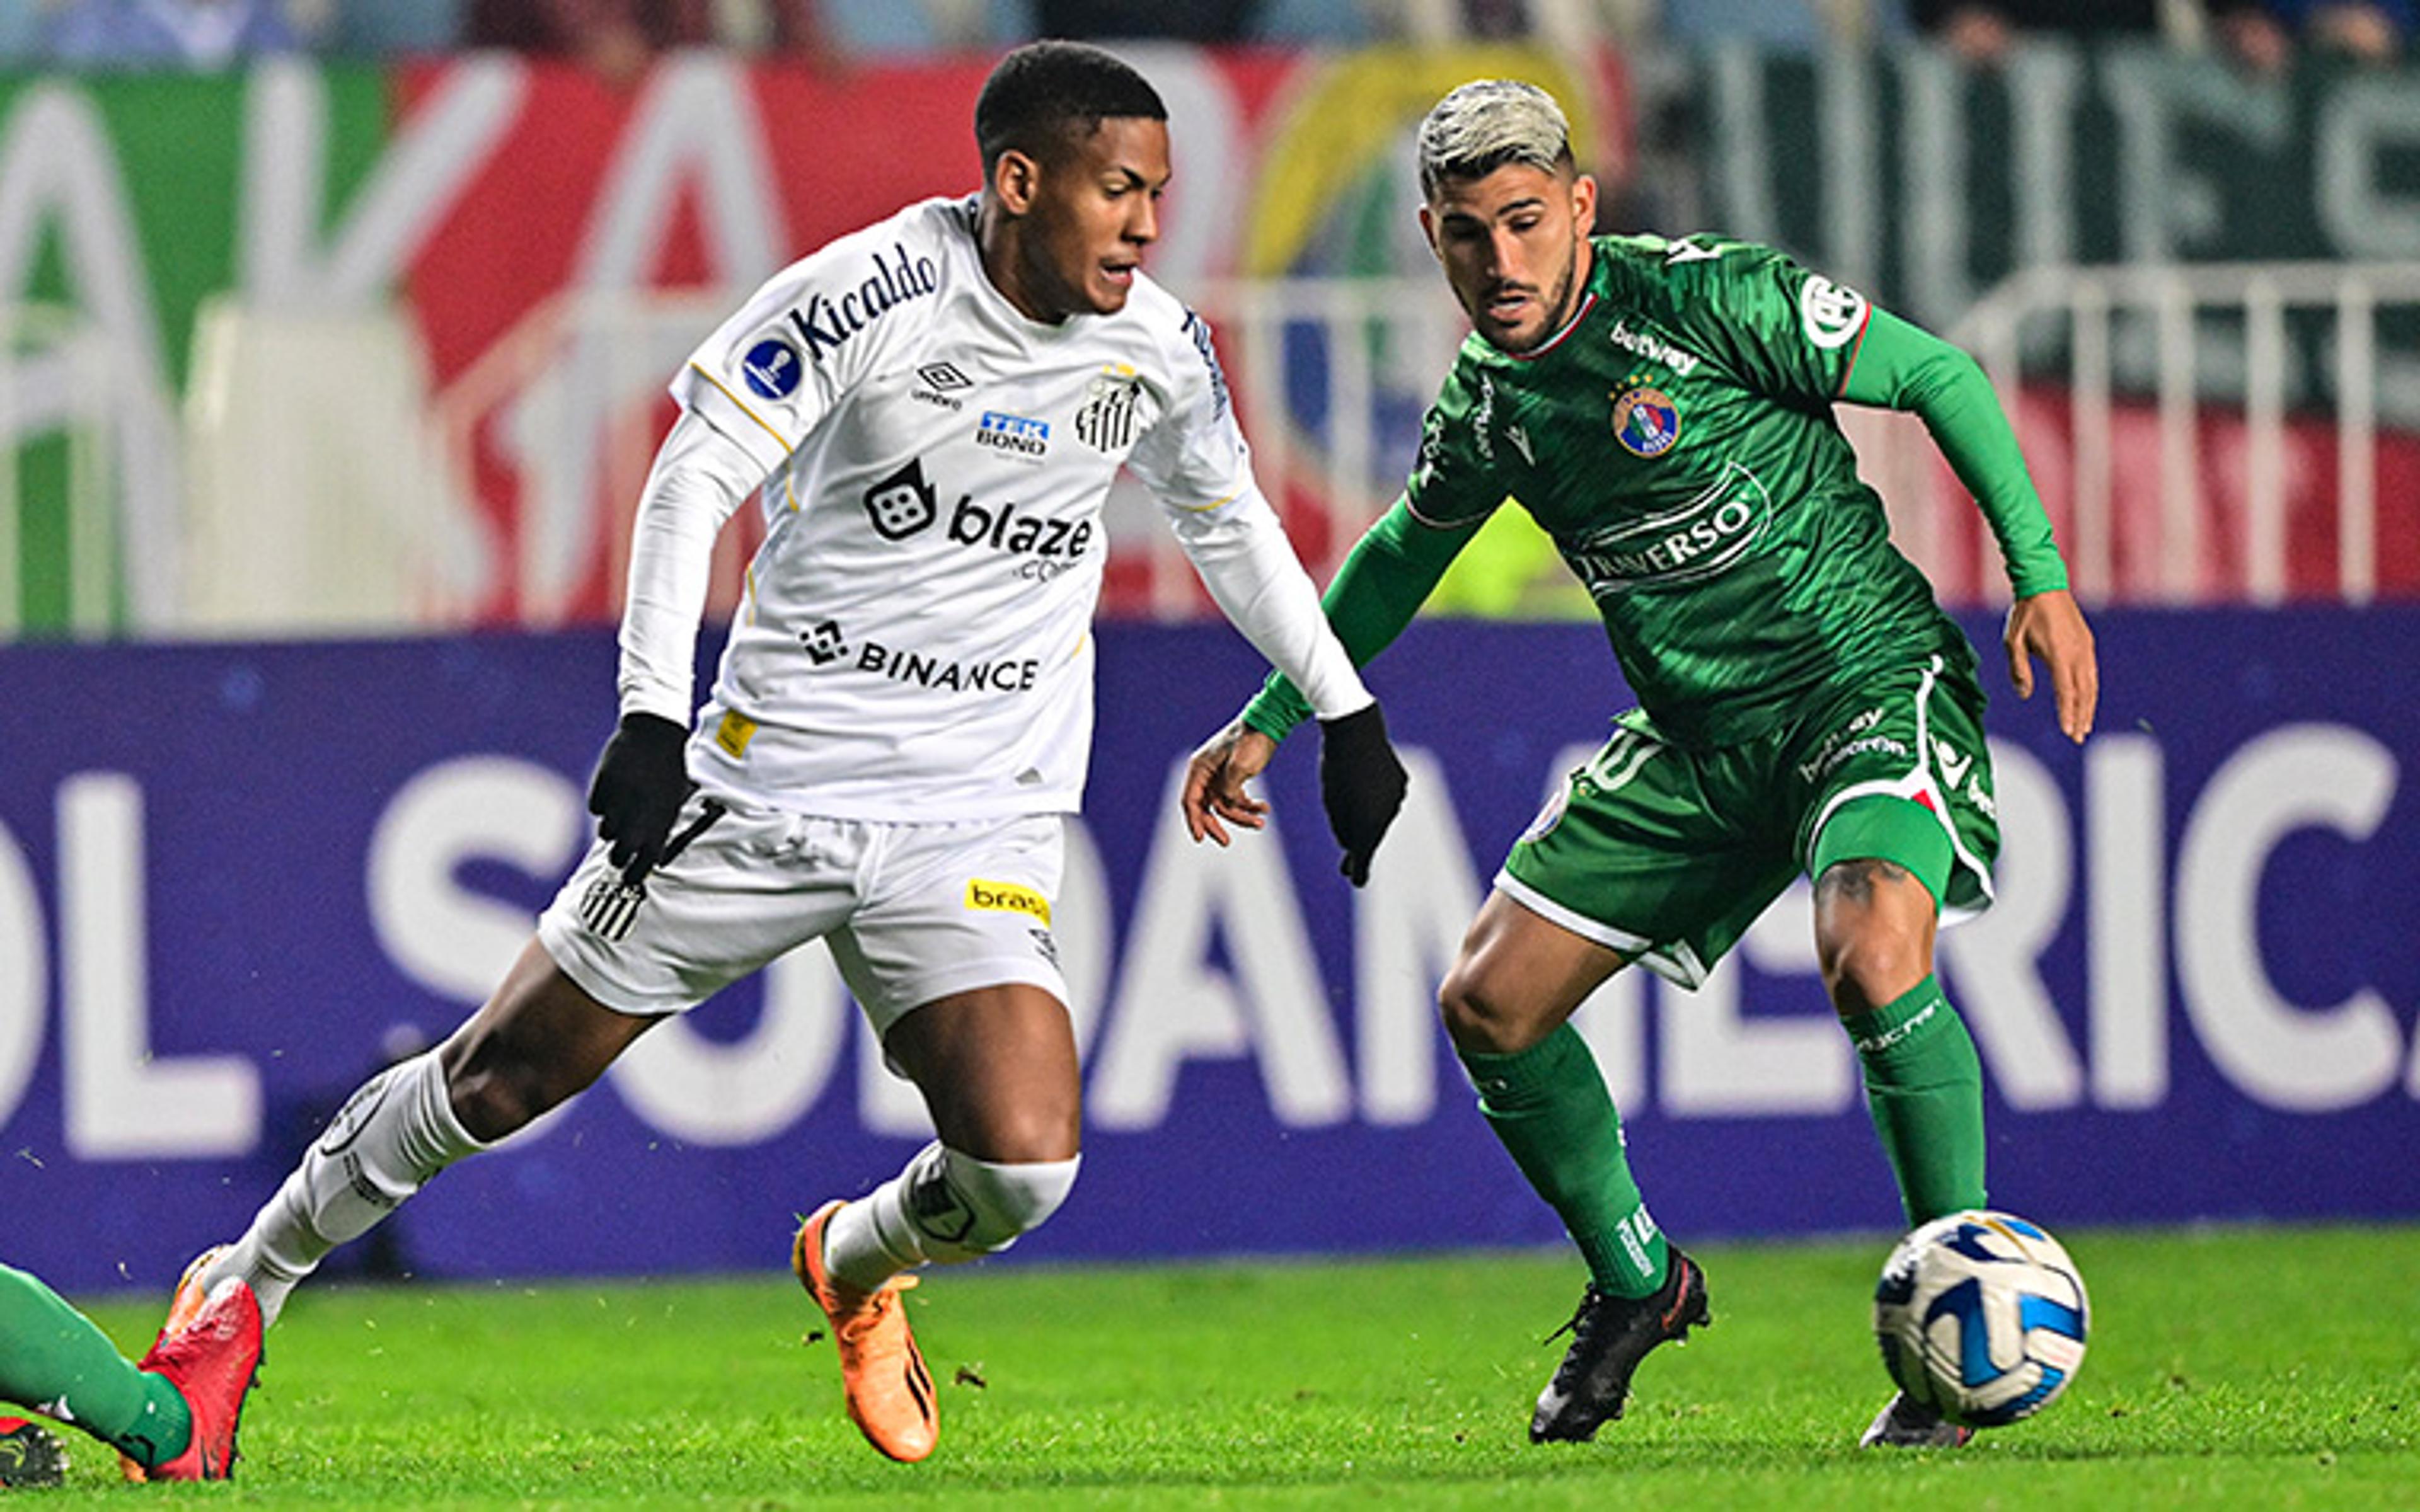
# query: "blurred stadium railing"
{"type": "Point", "coordinates": [88, 461]}
{"type": "Point", "coordinates": [2213, 356]}
{"type": "Point", "coordinates": [2202, 434]}
{"type": "Point", "coordinates": [2182, 458]}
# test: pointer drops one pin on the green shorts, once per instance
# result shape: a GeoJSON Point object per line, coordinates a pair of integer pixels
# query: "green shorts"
{"type": "Point", "coordinates": [1667, 855]}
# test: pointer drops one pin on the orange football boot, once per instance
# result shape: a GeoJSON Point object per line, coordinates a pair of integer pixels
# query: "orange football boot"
{"type": "Point", "coordinates": [890, 1396]}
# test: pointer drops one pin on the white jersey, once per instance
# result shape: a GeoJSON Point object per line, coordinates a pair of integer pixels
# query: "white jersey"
{"type": "Point", "coordinates": [914, 642]}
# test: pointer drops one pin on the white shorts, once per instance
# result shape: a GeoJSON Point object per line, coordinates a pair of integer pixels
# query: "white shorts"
{"type": "Point", "coordinates": [912, 912]}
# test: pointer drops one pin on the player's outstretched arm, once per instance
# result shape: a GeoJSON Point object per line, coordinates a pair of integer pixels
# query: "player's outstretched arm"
{"type": "Point", "coordinates": [1214, 795]}
{"type": "Point", "coordinates": [2050, 626]}
{"type": "Point", "coordinates": [699, 478]}
{"type": "Point", "coordinates": [1361, 782]}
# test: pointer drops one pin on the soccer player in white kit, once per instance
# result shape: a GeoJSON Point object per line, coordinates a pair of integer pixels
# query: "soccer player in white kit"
{"type": "Point", "coordinates": [932, 408]}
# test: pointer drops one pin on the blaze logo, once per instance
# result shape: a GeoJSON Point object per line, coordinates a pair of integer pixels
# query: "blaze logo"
{"type": "Point", "coordinates": [902, 503]}
{"type": "Point", "coordinates": [1007, 898]}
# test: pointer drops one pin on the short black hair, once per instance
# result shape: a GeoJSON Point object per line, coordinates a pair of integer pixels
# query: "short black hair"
{"type": "Point", "coordinates": [1045, 96]}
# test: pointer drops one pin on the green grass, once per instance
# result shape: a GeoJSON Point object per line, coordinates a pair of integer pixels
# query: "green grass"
{"type": "Point", "coordinates": [2276, 1368]}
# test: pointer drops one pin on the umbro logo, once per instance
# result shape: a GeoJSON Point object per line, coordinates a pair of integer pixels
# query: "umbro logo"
{"type": "Point", "coordinates": [940, 383]}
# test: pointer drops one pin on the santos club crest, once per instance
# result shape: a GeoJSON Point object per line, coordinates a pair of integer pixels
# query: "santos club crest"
{"type": "Point", "coordinates": [1106, 421]}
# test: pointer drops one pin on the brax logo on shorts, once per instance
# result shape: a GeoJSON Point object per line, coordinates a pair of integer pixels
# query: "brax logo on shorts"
{"type": "Point", "coordinates": [1007, 898]}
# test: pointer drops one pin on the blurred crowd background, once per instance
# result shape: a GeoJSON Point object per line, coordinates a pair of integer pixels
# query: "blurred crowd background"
{"type": "Point", "coordinates": [355, 315]}
{"type": "Point", "coordinates": [618, 37]}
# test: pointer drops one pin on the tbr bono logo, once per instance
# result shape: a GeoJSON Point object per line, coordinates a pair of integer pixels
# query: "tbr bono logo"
{"type": "Point", "coordinates": [1701, 538]}
{"type": "Point", "coordinates": [1019, 436]}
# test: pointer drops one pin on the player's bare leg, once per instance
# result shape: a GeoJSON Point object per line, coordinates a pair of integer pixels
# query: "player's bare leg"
{"type": "Point", "coordinates": [540, 1040]}
{"type": "Point", "coordinates": [537, 1042]}
{"type": "Point", "coordinates": [1507, 1003]}
{"type": "Point", "coordinates": [1874, 929]}
{"type": "Point", "coordinates": [998, 1069]}
{"type": "Point", "coordinates": [1519, 977]}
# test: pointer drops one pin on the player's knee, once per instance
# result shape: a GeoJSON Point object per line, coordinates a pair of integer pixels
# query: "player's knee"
{"type": "Point", "coordinates": [1866, 967]}
{"type": "Point", "coordinates": [966, 1207]}
{"type": "Point", "coordinates": [1477, 1018]}
{"type": "Point", "coordinates": [1874, 925]}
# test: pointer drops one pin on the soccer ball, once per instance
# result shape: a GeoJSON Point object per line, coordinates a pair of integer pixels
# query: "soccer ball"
{"type": "Point", "coordinates": [1981, 1316]}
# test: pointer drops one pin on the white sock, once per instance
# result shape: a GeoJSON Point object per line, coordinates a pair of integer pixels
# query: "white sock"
{"type": "Point", "coordinates": [943, 1207]}
{"type": "Point", "coordinates": [383, 1145]}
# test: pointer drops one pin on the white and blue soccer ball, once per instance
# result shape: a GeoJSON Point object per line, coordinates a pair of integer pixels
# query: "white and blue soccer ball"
{"type": "Point", "coordinates": [1981, 1316]}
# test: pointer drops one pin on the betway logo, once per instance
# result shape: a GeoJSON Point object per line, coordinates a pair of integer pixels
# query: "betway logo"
{"type": "Point", "coordinates": [1704, 537]}
{"type": "Point", "coordinates": [827, 322]}
{"type": "Point", "coordinates": [1654, 348]}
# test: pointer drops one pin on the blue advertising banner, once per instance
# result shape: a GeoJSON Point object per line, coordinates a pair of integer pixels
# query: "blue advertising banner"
{"type": "Point", "coordinates": [234, 879]}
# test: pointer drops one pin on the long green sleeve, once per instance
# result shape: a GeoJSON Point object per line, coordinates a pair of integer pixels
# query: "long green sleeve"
{"type": "Point", "coordinates": [1901, 367]}
{"type": "Point", "coordinates": [1386, 577]}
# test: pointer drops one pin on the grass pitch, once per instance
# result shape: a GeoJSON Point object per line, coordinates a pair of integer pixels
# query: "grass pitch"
{"type": "Point", "coordinates": [2272, 1368]}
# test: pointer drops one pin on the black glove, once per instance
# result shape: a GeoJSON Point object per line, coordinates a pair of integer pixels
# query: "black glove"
{"type": "Point", "coordinates": [642, 781]}
{"type": "Point", "coordinates": [1361, 783]}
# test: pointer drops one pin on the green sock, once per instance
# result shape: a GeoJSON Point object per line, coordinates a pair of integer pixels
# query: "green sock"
{"type": "Point", "coordinates": [1549, 1105]}
{"type": "Point", "coordinates": [1924, 1087]}
{"type": "Point", "coordinates": [55, 1361]}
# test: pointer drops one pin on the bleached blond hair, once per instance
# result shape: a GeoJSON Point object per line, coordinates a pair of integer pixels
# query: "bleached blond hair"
{"type": "Point", "coordinates": [1487, 123]}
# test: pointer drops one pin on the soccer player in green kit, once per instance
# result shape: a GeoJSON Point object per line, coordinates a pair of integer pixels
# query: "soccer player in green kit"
{"type": "Point", "coordinates": [171, 1416]}
{"type": "Point", "coordinates": [1663, 409]}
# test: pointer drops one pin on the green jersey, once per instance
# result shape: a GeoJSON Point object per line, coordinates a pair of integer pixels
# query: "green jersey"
{"type": "Point", "coordinates": [1676, 441]}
